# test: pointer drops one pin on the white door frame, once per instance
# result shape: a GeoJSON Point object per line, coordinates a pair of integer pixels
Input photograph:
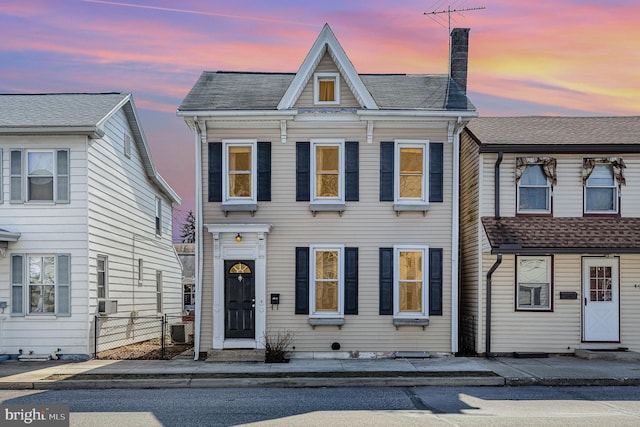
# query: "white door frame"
{"type": "Point", "coordinates": [252, 245]}
{"type": "Point", "coordinates": [601, 318]}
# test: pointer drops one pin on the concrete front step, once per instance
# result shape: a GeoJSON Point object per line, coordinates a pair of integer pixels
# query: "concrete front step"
{"type": "Point", "coordinates": [607, 354]}
{"type": "Point", "coordinates": [235, 356]}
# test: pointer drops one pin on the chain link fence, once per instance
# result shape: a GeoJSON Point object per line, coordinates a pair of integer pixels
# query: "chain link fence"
{"type": "Point", "coordinates": [143, 337]}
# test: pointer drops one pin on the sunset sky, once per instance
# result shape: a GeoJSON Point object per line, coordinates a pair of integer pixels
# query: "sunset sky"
{"type": "Point", "coordinates": [563, 57]}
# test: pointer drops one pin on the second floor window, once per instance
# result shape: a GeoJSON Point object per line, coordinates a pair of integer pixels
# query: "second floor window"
{"type": "Point", "coordinates": [412, 177]}
{"type": "Point", "coordinates": [601, 190]}
{"type": "Point", "coordinates": [39, 176]}
{"type": "Point", "coordinates": [534, 190]}
{"type": "Point", "coordinates": [327, 165]}
{"type": "Point", "coordinates": [240, 171]}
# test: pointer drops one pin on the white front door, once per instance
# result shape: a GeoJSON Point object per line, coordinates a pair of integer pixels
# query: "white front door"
{"type": "Point", "coordinates": [601, 300]}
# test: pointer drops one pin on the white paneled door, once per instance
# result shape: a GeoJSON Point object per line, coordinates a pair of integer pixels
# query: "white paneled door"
{"type": "Point", "coordinates": [601, 300]}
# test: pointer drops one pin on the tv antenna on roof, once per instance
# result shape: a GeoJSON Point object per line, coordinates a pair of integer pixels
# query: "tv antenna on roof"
{"type": "Point", "coordinates": [435, 14]}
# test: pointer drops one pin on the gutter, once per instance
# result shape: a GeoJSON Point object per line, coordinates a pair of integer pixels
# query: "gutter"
{"type": "Point", "coordinates": [561, 148]}
{"type": "Point", "coordinates": [455, 237]}
{"type": "Point", "coordinates": [487, 340]}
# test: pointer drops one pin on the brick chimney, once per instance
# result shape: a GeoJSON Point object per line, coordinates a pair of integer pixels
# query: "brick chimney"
{"type": "Point", "coordinates": [459, 57]}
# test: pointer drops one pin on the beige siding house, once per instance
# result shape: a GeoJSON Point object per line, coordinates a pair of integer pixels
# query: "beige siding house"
{"type": "Point", "coordinates": [85, 225]}
{"type": "Point", "coordinates": [550, 227]}
{"type": "Point", "coordinates": [327, 206]}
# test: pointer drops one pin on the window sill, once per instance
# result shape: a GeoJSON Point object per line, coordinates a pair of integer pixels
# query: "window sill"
{"type": "Point", "coordinates": [327, 207]}
{"type": "Point", "coordinates": [411, 207]}
{"type": "Point", "coordinates": [326, 322]}
{"type": "Point", "coordinates": [411, 322]}
{"type": "Point", "coordinates": [239, 207]}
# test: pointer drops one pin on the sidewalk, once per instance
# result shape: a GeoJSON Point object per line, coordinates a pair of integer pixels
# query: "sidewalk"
{"type": "Point", "coordinates": [441, 371]}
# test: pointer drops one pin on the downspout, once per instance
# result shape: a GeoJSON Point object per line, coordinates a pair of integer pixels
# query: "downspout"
{"type": "Point", "coordinates": [455, 238]}
{"type": "Point", "coordinates": [494, 267]}
{"type": "Point", "coordinates": [487, 339]}
{"type": "Point", "coordinates": [199, 243]}
{"type": "Point", "coordinates": [496, 178]}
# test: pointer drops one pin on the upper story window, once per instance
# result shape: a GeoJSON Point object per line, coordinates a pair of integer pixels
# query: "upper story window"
{"type": "Point", "coordinates": [240, 171]}
{"type": "Point", "coordinates": [326, 88]}
{"type": "Point", "coordinates": [534, 190]}
{"type": "Point", "coordinates": [534, 179]}
{"type": "Point", "coordinates": [412, 179]}
{"type": "Point", "coordinates": [602, 178]}
{"type": "Point", "coordinates": [328, 170]}
{"type": "Point", "coordinates": [158, 216]}
{"type": "Point", "coordinates": [533, 283]}
{"type": "Point", "coordinates": [101, 272]}
{"type": "Point", "coordinates": [39, 176]}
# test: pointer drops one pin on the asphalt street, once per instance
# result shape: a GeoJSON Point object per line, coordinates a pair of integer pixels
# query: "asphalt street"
{"type": "Point", "coordinates": [361, 406]}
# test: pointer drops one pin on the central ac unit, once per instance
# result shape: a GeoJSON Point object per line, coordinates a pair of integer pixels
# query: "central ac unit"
{"type": "Point", "coordinates": [107, 306]}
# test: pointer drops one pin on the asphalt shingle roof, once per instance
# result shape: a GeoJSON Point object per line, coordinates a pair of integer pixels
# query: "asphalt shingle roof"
{"type": "Point", "coordinates": [56, 109]}
{"type": "Point", "coordinates": [223, 90]}
{"type": "Point", "coordinates": [556, 130]}
{"type": "Point", "coordinates": [566, 235]}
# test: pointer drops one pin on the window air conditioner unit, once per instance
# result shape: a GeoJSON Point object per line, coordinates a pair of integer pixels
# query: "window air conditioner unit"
{"type": "Point", "coordinates": [107, 306]}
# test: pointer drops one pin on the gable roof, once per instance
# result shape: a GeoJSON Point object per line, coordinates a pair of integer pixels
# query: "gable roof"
{"type": "Point", "coordinates": [217, 91]}
{"type": "Point", "coordinates": [327, 42]}
{"type": "Point", "coordinates": [76, 114]}
{"type": "Point", "coordinates": [512, 134]}
{"type": "Point", "coordinates": [529, 235]}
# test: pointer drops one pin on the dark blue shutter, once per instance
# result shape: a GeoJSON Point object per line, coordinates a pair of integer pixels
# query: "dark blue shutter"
{"type": "Point", "coordinates": [264, 171]}
{"type": "Point", "coordinates": [435, 281]}
{"type": "Point", "coordinates": [215, 171]}
{"type": "Point", "coordinates": [303, 170]}
{"type": "Point", "coordinates": [302, 280]}
{"type": "Point", "coordinates": [386, 171]}
{"type": "Point", "coordinates": [352, 173]}
{"type": "Point", "coordinates": [351, 281]}
{"type": "Point", "coordinates": [436, 168]}
{"type": "Point", "coordinates": [386, 280]}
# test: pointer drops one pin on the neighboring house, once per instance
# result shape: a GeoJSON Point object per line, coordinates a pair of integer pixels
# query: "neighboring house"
{"type": "Point", "coordinates": [86, 222]}
{"type": "Point", "coordinates": [550, 225]}
{"type": "Point", "coordinates": [327, 205]}
{"type": "Point", "coordinates": [187, 256]}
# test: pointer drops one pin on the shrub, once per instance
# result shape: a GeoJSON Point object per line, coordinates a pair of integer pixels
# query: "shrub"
{"type": "Point", "coordinates": [276, 346]}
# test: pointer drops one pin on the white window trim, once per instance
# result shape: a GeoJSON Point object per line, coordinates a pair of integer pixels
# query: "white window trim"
{"type": "Point", "coordinates": [411, 143]}
{"type": "Point", "coordinates": [25, 182]}
{"type": "Point", "coordinates": [424, 314]}
{"type": "Point", "coordinates": [312, 285]}
{"type": "Point", "coordinates": [328, 142]}
{"type": "Point", "coordinates": [547, 186]}
{"type": "Point", "coordinates": [317, 77]}
{"type": "Point", "coordinates": [548, 260]}
{"type": "Point", "coordinates": [27, 287]}
{"type": "Point", "coordinates": [106, 277]}
{"type": "Point", "coordinates": [616, 196]}
{"type": "Point", "coordinates": [157, 224]}
{"type": "Point", "coordinates": [226, 143]}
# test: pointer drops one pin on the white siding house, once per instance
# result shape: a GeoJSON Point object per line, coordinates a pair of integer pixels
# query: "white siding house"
{"type": "Point", "coordinates": [82, 208]}
{"type": "Point", "coordinates": [550, 229]}
{"type": "Point", "coordinates": [327, 206]}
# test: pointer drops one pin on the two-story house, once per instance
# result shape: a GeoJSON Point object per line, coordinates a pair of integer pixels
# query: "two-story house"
{"type": "Point", "coordinates": [550, 226]}
{"type": "Point", "coordinates": [85, 222]}
{"type": "Point", "coordinates": [327, 206]}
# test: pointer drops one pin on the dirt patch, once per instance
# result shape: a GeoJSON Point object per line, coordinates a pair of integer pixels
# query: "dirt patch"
{"type": "Point", "coordinates": [145, 350]}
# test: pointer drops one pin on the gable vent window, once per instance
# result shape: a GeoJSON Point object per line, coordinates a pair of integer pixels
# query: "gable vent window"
{"type": "Point", "coordinates": [326, 88]}
{"type": "Point", "coordinates": [127, 146]}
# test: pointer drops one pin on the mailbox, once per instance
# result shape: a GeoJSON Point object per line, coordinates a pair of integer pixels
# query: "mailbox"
{"type": "Point", "coordinates": [275, 299]}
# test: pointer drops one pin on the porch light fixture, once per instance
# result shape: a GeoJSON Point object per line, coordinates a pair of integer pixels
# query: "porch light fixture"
{"type": "Point", "coordinates": [238, 238]}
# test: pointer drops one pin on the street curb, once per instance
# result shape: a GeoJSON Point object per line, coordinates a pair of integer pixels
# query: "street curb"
{"type": "Point", "coordinates": [568, 382]}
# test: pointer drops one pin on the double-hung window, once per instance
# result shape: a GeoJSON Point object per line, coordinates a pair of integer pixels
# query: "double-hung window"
{"type": "Point", "coordinates": [101, 272]}
{"type": "Point", "coordinates": [534, 190]}
{"type": "Point", "coordinates": [601, 190]}
{"type": "Point", "coordinates": [327, 283]}
{"type": "Point", "coordinates": [326, 88]}
{"type": "Point", "coordinates": [327, 164]}
{"type": "Point", "coordinates": [39, 176]}
{"type": "Point", "coordinates": [239, 177]}
{"type": "Point", "coordinates": [533, 277]}
{"type": "Point", "coordinates": [411, 299]}
{"type": "Point", "coordinates": [412, 178]}
{"type": "Point", "coordinates": [40, 284]}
